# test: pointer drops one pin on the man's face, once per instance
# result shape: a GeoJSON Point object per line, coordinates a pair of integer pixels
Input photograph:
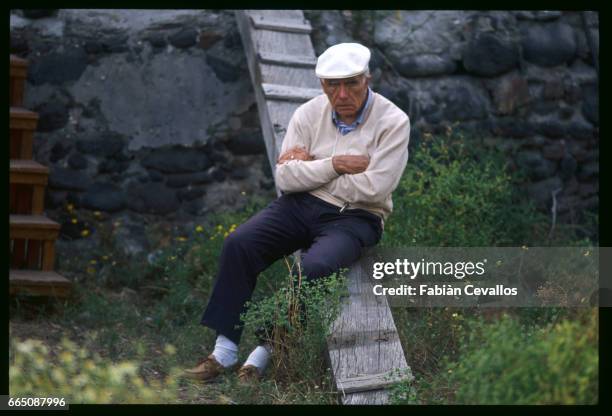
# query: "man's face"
{"type": "Point", "coordinates": [346, 95]}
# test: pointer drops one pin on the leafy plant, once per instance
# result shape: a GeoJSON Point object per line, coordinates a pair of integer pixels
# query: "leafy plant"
{"type": "Point", "coordinates": [507, 362]}
{"type": "Point", "coordinates": [296, 322]}
{"type": "Point", "coordinates": [451, 195]}
{"type": "Point", "coordinates": [81, 377]}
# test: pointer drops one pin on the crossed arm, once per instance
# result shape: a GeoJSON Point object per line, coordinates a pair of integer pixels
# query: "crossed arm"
{"type": "Point", "coordinates": [342, 164]}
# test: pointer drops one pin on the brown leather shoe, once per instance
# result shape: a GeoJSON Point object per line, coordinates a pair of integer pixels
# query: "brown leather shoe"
{"type": "Point", "coordinates": [207, 370]}
{"type": "Point", "coordinates": [248, 374]}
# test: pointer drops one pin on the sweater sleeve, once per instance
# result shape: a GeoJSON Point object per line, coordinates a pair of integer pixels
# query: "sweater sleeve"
{"type": "Point", "coordinates": [300, 175]}
{"type": "Point", "coordinates": [386, 167]}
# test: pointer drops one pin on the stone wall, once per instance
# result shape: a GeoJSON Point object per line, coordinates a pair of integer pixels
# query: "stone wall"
{"type": "Point", "coordinates": [145, 116]}
{"type": "Point", "coordinates": [525, 79]}
{"type": "Point", "coordinates": [150, 116]}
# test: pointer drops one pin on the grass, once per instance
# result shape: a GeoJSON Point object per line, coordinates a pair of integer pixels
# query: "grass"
{"type": "Point", "coordinates": [148, 313]}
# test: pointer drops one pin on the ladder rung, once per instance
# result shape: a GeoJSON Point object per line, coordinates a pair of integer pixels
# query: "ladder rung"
{"type": "Point", "coordinates": [287, 60]}
{"type": "Point", "coordinates": [288, 93]}
{"type": "Point", "coordinates": [281, 25]}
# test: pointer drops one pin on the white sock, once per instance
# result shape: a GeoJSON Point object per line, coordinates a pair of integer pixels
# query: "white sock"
{"type": "Point", "coordinates": [260, 357]}
{"type": "Point", "coordinates": [226, 351]}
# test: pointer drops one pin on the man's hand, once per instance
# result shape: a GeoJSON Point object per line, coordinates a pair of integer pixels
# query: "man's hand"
{"type": "Point", "coordinates": [295, 153]}
{"type": "Point", "coordinates": [350, 164]}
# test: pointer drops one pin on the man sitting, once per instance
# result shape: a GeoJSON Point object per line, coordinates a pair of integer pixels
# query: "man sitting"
{"type": "Point", "coordinates": [342, 156]}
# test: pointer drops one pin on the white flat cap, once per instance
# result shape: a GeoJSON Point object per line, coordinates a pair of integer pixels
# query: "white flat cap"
{"type": "Point", "coordinates": [343, 60]}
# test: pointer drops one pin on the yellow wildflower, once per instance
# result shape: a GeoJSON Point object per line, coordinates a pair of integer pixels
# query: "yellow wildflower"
{"type": "Point", "coordinates": [199, 229]}
{"type": "Point", "coordinates": [85, 233]}
{"type": "Point", "coordinates": [74, 220]}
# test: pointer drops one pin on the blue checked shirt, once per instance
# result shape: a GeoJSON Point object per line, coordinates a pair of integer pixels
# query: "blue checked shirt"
{"type": "Point", "coordinates": [344, 128]}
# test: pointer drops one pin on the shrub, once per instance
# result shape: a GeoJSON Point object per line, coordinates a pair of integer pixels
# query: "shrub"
{"type": "Point", "coordinates": [80, 377]}
{"type": "Point", "coordinates": [456, 192]}
{"type": "Point", "coordinates": [296, 321]}
{"type": "Point", "coordinates": [505, 362]}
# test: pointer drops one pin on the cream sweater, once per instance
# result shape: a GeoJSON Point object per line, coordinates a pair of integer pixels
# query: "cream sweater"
{"type": "Point", "coordinates": [383, 136]}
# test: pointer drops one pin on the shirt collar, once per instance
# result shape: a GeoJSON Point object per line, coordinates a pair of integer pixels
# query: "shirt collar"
{"type": "Point", "coordinates": [347, 128]}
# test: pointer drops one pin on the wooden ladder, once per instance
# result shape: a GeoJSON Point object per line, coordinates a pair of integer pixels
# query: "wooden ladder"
{"type": "Point", "coordinates": [32, 235]}
{"type": "Point", "coordinates": [364, 350]}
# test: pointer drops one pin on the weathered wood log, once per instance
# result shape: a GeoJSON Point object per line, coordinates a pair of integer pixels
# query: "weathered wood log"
{"type": "Point", "coordinates": [364, 349]}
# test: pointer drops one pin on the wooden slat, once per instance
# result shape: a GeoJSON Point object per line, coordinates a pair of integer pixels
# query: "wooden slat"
{"type": "Point", "coordinates": [37, 283]}
{"type": "Point", "coordinates": [36, 227]}
{"type": "Point", "coordinates": [22, 119]}
{"type": "Point", "coordinates": [25, 171]}
{"type": "Point", "coordinates": [281, 25]}
{"type": "Point", "coordinates": [268, 57]}
{"type": "Point", "coordinates": [287, 93]}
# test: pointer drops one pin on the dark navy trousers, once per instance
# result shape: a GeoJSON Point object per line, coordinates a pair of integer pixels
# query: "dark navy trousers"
{"type": "Point", "coordinates": [329, 241]}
